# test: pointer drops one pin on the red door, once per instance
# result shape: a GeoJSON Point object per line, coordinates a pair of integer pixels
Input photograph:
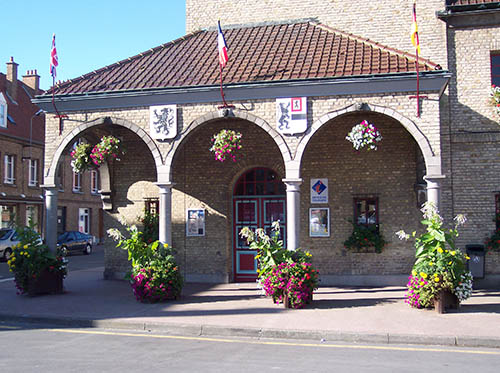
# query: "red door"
{"type": "Point", "coordinates": [255, 210]}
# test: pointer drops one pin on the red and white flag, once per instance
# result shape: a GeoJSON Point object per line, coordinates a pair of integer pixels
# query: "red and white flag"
{"type": "Point", "coordinates": [221, 42]}
{"type": "Point", "coordinates": [53, 58]}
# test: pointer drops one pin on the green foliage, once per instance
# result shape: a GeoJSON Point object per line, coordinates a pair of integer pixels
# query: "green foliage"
{"type": "Point", "coordinates": [364, 237]}
{"type": "Point", "coordinates": [81, 157]}
{"type": "Point", "coordinates": [150, 222]}
{"type": "Point", "coordinates": [31, 257]}
{"type": "Point", "coordinates": [154, 276]}
{"type": "Point", "coordinates": [439, 265]}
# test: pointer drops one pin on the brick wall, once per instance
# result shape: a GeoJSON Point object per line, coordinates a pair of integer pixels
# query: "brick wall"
{"type": "Point", "coordinates": [385, 21]}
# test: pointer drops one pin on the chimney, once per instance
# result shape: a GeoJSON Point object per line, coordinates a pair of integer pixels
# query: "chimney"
{"type": "Point", "coordinates": [12, 78]}
{"type": "Point", "coordinates": [32, 80]}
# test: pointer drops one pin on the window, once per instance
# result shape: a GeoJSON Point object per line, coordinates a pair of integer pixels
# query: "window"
{"type": "Point", "coordinates": [33, 172]}
{"type": "Point", "coordinates": [9, 168]}
{"type": "Point", "coordinates": [152, 205]}
{"type": "Point", "coordinates": [3, 111]}
{"type": "Point", "coordinates": [59, 177]}
{"type": "Point", "coordinates": [94, 182]}
{"type": "Point", "coordinates": [32, 216]}
{"type": "Point", "coordinates": [77, 182]}
{"type": "Point", "coordinates": [258, 182]}
{"type": "Point", "coordinates": [366, 211]}
{"type": "Point", "coordinates": [9, 216]}
{"type": "Point", "coordinates": [495, 68]}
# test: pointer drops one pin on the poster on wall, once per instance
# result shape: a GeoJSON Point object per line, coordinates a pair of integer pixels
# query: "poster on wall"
{"type": "Point", "coordinates": [195, 224]}
{"type": "Point", "coordinates": [319, 222]}
{"type": "Point", "coordinates": [163, 122]}
{"type": "Point", "coordinates": [319, 190]}
{"type": "Point", "coordinates": [291, 115]}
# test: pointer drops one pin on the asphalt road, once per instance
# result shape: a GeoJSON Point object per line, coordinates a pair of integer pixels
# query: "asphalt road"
{"type": "Point", "coordinates": [75, 262]}
{"type": "Point", "coordinates": [38, 349]}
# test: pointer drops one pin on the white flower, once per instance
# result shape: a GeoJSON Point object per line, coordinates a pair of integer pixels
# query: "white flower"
{"type": "Point", "coordinates": [402, 235]}
{"type": "Point", "coordinates": [276, 225]}
{"type": "Point", "coordinates": [460, 219]}
{"type": "Point", "coordinates": [115, 234]}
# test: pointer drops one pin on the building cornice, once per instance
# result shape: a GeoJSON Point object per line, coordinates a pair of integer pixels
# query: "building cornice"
{"type": "Point", "coordinates": [430, 81]}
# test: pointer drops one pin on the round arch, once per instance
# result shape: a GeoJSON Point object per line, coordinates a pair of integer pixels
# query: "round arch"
{"type": "Point", "coordinates": [51, 172]}
{"type": "Point", "coordinates": [235, 113]}
{"type": "Point", "coordinates": [432, 162]}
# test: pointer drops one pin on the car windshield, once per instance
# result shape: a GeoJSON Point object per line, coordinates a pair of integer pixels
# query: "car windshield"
{"type": "Point", "coordinates": [4, 233]}
{"type": "Point", "coordinates": [62, 237]}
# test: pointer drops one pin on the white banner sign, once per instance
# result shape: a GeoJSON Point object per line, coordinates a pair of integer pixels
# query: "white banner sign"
{"type": "Point", "coordinates": [291, 115]}
{"type": "Point", "coordinates": [163, 122]}
{"type": "Point", "coordinates": [319, 190]}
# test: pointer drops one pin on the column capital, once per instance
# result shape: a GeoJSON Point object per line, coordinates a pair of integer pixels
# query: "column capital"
{"type": "Point", "coordinates": [165, 185]}
{"type": "Point", "coordinates": [434, 178]}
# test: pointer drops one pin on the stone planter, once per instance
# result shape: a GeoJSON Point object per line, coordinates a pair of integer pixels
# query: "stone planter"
{"type": "Point", "coordinates": [46, 283]}
{"type": "Point", "coordinates": [445, 300]}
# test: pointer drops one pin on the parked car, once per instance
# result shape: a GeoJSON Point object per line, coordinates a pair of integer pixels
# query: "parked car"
{"type": "Point", "coordinates": [74, 241]}
{"type": "Point", "coordinates": [8, 239]}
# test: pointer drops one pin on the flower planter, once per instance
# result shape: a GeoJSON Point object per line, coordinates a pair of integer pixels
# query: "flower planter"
{"type": "Point", "coordinates": [45, 283]}
{"type": "Point", "coordinates": [445, 300]}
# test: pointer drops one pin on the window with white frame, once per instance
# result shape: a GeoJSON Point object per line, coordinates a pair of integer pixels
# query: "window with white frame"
{"type": "Point", "coordinates": [33, 172]}
{"type": "Point", "coordinates": [9, 169]}
{"type": "Point", "coordinates": [94, 181]}
{"type": "Point", "coordinates": [3, 111]}
{"type": "Point", "coordinates": [84, 220]}
{"type": "Point", "coordinates": [77, 182]}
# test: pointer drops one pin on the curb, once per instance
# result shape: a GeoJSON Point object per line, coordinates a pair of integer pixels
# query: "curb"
{"type": "Point", "coordinates": [197, 330]}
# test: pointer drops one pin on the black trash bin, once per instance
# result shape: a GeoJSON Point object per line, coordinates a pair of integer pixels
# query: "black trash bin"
{"type": "Point", "coordinates": [475, 264]}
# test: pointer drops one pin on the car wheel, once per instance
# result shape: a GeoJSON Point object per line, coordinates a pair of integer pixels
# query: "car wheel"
{"type": "Point", "coordinates": [64, 251]}
{"type": "Point", "coordinates": [88, 249]}
{"type": "Point", "coordinates": [6, 254]}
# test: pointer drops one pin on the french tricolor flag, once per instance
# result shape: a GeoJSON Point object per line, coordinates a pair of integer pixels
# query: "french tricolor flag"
{"type": "Point", "coordinates": [221, 42]}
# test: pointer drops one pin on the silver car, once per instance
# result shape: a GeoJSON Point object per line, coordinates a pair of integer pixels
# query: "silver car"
{"type": "Point", "coordinates": [8, 239]}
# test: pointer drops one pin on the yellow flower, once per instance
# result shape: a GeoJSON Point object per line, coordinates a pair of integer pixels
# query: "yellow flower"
{"type": "Point", "coordinates": [421, 283]}
{"type": "Point", "coordinates": [414, 273]}
{"type": "Point", "coordinates": [25, 246]}
{"type": "Point", "coordinates": [452, 252]}
{"type": "Point", "coordinates": [257, 256]}
{"type": "Point", "coordinates": [449, 262]}
{"type": "Point", "coordinates": [165, 245]}
{"type": "Point", "coordinates": [440, 250]}
{"type": "Point", "coordinates": [431, 264]}
{"type": "Point", "coordinates": [436, 279]}
{"type": "Point", "coordinates": [467, 257]}
{"type": "Point", "coordinates": [423, 274]}
{"type": "Point", "coordinates": [447, 250]}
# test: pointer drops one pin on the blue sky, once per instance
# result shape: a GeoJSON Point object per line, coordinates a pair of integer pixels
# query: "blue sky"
{"type": "Point", "coordinates": [90, 34]}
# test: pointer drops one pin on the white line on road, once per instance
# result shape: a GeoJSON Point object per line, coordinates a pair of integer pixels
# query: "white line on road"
{"type": "Point", "coordinates": [7, 279]}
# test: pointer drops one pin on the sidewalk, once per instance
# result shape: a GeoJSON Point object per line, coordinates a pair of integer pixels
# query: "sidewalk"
{"type": "Point", "coordinates": [372, 315]}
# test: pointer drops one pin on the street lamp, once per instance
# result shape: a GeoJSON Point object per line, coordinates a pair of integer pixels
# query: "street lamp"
{"type": "Point", "coordinates": [39, 112]}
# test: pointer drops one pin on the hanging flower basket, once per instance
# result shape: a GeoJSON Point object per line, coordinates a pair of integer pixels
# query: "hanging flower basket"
{"type": "Point", "coordinates": [495, 98]}
{"type": "Point", "coordinates": [225, 143]}
{"type": "Point", "coordinates": [85, 156]}
{"type": "Point", "coordinates": [108, 148]}
{"type": "Point", "coordinates": [364, 135]}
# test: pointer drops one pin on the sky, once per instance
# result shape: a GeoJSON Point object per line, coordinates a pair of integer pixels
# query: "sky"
{"type": "Point", "coordinates": [90, 34]}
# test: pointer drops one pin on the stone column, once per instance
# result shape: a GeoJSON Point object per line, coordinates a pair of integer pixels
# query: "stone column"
{"type": "Point", "coordinates": [165, 213]}
{"type": "Point", "coordinates": [433, 189]}
{"type": "Point", "coordinates": [293, 212]}
{"type": "Point", "coordinates": [51, 193]}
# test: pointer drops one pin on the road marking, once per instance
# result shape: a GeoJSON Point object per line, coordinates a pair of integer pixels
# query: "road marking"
{"type": "Point", "coordinates": [9, 327]}
{"type": "Point", "coordinates": [7, 279]}
{"type": "Point", "coordinates": [223, 340]}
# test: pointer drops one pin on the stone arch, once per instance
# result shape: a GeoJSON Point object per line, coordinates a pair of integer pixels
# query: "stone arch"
{"type": "Point", "coordinates": [432, 162]}
{"type": "Point", "coordinates": [51, 172]}
{"type": "Point", "coordinates": [235, 113]}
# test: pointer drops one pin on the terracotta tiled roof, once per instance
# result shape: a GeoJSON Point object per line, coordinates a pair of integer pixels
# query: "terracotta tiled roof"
{"type": "Point", "coordinates": [256, 54]}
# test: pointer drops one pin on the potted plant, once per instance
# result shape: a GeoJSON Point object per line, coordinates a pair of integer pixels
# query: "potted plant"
{"type": "Point", "coordinates": [80, 155]}
{"type": "Point", "coordinates": [439, 277]}
{"type": "Point", "coordinates": [364, 135]}
{"type": "Point", "coordinates": [365, 238]}
{"type": "Point", "coordinates": [154, 276]}
{"type": "Point", "coordinates": [225, 143]}
{"type": "Point", "coordinates": [36, 270]}
{"type": "Point", "coordinates": [285, 275]}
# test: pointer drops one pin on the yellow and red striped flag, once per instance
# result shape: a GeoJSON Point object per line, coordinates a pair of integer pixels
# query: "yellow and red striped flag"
{"type": "Point", "coordinates": [414, 30]}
